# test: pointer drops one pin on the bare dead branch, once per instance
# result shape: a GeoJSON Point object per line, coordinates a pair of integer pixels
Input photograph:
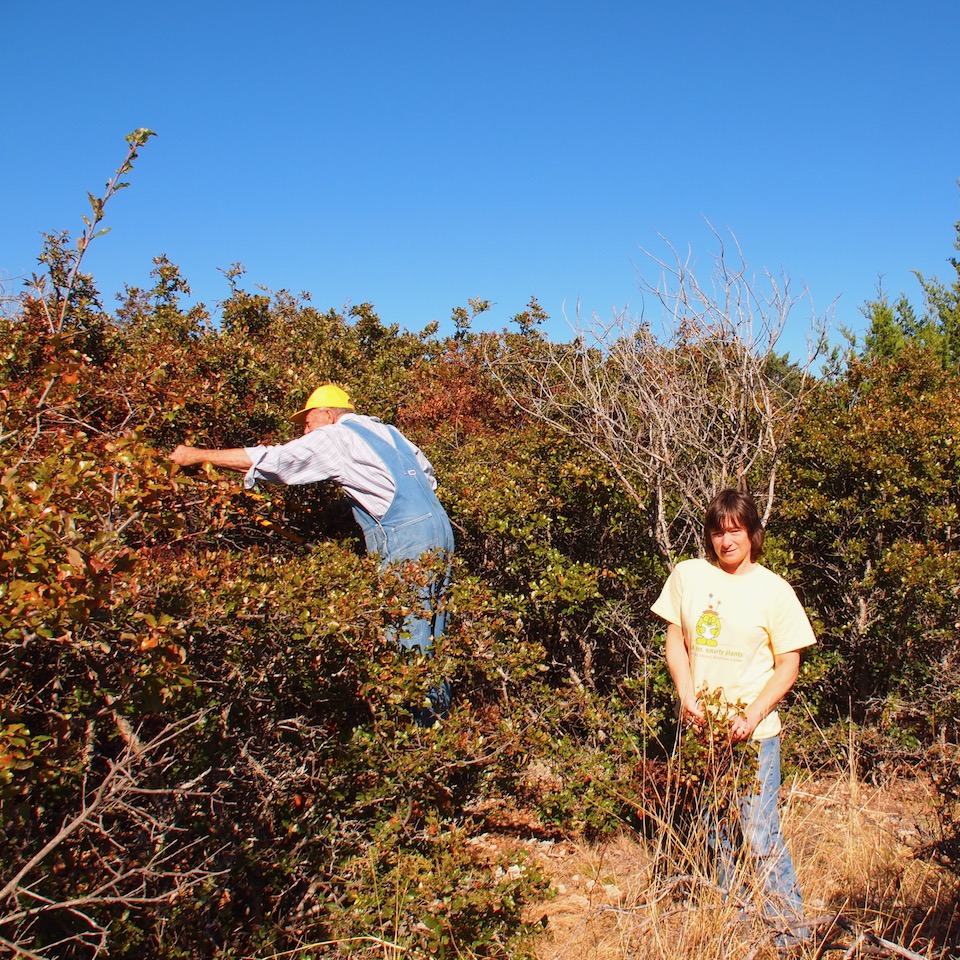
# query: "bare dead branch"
{"type": "Point", "coordinates": [136, 853]}
{"type": "Point", "coordinates": [676, 411]}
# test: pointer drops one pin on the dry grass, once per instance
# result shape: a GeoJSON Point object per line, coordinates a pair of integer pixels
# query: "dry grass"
{"type": "Point", "coordinates": [854, 847]}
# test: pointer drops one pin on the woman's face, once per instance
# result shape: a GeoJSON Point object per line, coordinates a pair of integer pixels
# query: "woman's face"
{"type": "Point", "coordinates": [732, 547]}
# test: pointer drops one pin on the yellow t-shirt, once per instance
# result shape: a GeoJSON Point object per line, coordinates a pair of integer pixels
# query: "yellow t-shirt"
{"type": "Point", "coordinates": [733, 626]}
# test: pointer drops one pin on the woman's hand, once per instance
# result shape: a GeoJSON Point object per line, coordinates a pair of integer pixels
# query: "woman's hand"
{"type": "Point", "coordinates": [692, 712]}
{"type": "Point", "coordinates": [741, 728]}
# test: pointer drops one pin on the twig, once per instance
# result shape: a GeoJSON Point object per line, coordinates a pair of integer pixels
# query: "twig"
{"type": "Point", "coordinates": [874, 940]}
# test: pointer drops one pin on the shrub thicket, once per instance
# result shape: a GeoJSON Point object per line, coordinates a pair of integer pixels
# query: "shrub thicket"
{"type": "Point", "coordinates": [205, 739]}
{"type": "Point", "coordinates": [869, 509]}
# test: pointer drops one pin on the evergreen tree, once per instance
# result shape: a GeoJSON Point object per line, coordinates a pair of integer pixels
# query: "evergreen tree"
{"type": "Point", "coordinates": [892, 327]}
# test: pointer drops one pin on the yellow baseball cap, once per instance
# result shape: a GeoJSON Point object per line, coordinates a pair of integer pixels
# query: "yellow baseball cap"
{"type": "Point", "coordinates": [329, 395]}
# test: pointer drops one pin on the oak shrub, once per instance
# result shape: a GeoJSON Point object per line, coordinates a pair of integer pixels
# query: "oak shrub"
{"type": "Point", "coordinates": [221, 654]}
{"type": "Point", "coordinates": [217, 658]}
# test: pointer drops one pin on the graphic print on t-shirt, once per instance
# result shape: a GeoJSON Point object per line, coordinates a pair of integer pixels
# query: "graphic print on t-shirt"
{"type": "Point", "coordinates": [708, 626]}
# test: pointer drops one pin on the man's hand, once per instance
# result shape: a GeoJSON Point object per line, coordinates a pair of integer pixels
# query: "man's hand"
{"type": "Point", "coordinates": [187, 456]}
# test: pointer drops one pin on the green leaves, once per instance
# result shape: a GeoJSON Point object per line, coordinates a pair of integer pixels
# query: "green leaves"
{"type": "Point", "coordinates": [139, 137]}
{"type": "Point", "coordinates": [138, 602]}
{"type": "Point", "coordinates": [869, 506]}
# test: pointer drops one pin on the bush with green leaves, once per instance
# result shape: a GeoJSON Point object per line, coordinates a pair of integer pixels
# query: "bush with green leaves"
{"type": "Point", "coordinates": [205, 737]}
{"type": "Point", "coordinates": [206, 746]}
{"type": "Point", "coordinates": [868, 512]}
{"type": "Point", "coordinates": [198, 683]}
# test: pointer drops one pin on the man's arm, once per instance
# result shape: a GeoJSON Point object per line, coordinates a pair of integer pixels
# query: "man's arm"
{"type": "Point", "coordinates": [234, 459]}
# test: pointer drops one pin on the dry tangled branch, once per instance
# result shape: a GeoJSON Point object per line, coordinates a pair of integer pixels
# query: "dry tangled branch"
{"type": "Point", "coordinates": [130, 834]}
{"type": "Point", "coordinates": [677, 411]}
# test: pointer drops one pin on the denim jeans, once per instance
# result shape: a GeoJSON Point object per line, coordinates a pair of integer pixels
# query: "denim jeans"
{"type": "Point", "coordinates": [752, 828]}
{"type": "Point", "coordinates": [424, 536]}
{"type": "Point", "coordinates": [439, 708]}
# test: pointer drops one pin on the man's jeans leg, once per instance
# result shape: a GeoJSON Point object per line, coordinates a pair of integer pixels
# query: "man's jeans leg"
{"type": "Point", "coordinates": [421, 629]}
{"type": "Point", "coordinates": [423, 537]}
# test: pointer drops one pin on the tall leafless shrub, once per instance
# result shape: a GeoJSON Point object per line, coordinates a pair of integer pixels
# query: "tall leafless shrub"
{"type": "Point", "coordinates": [683, 399]}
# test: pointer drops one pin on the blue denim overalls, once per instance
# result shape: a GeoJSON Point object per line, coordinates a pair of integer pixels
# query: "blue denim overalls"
{"type": "Point", "coordinates": [414, 523]}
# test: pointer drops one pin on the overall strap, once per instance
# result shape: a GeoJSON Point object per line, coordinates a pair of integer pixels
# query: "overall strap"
{"type": "Point", "coordinates": [411, 486]}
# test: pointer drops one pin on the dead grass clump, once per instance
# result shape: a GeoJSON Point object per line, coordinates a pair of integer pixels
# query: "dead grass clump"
{"type": "Point", "coordinates": [855, 850]}
{"type": "Point", "coordinates": [860, 852]}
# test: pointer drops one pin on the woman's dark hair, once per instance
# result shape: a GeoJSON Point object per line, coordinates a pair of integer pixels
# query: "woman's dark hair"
{"type": "Point", "coordinates": [731, 507]}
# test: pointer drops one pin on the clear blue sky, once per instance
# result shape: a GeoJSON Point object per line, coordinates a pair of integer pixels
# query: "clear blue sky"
{"type": "Point", "coordinates": [416, 154]}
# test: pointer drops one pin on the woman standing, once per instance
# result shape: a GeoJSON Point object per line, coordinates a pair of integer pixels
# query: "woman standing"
{"type": "Point", "coordinates": [736, 628]}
